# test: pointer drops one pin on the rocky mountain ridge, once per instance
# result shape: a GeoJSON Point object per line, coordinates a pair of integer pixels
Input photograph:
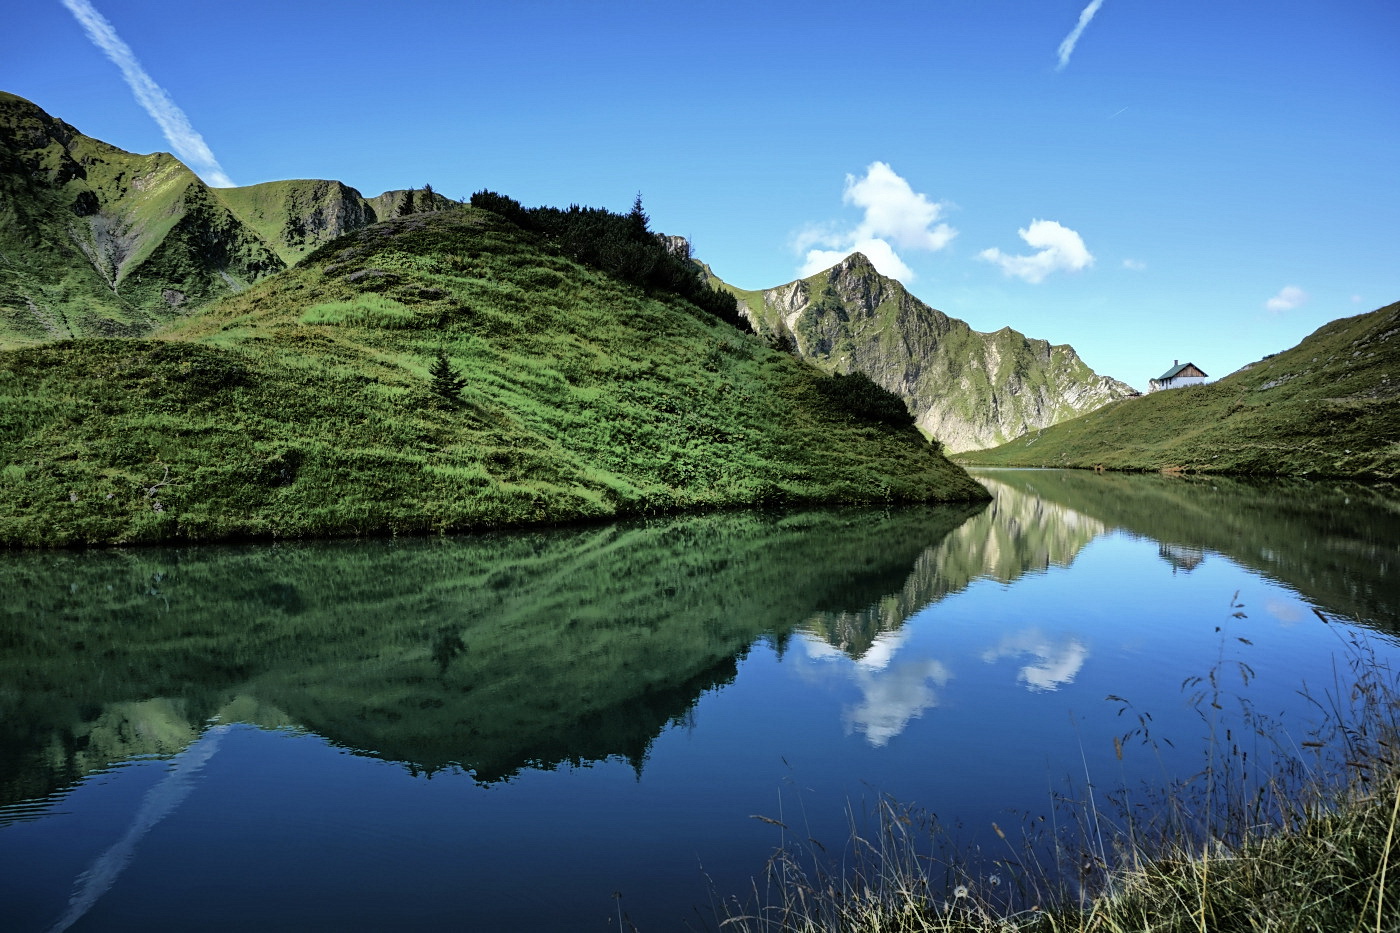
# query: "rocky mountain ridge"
{"type": "Point", "coordinates": [968, 389]}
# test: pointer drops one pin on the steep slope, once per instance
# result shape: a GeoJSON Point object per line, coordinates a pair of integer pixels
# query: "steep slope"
{"type": "Point", "coordinates": [1330, 406]}
{"type": "Point", "coordinates": [967, 389]}
{"type": "Point", "coordinates": [97, 241]}
{"type": "Point", "coordinates": [305, 405]}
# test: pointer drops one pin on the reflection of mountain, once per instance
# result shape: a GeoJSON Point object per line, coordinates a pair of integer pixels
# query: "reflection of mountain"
{"type": "Point", "coordinates": [492, 652]}
{"type": "Point", "coordinates": [1017, 534]}
{"type": "Point", "coordinates": [1182, 558]}
{"type": "Point", "coordinates": [1335, 542]}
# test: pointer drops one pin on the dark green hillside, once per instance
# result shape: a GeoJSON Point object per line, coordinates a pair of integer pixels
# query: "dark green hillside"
{"type": "Point", "coordinates": [1329, 406]}
{"type": "Point", "coordinates": [304, 406]}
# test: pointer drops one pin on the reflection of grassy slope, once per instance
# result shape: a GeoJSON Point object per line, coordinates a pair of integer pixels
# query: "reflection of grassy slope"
{"type": "Point", "coordinates": [303, 406]}
{"type": "Point", "coordinates": [495, 652]}
{"type": "Point", "coordinates": [1329, 406]}
{"type": "Point", "coordinates": [1332, 541]}
{"type": "Point", "coordinates": [1018, 533]}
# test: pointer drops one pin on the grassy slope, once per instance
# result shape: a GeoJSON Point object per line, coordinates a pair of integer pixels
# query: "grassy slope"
{"type": "Point", "coordinates": [1329, 406]}
{"type": "Point", "coordinates": [96, 241]}
{"type": "Point", "coordinates": [295, 216]}
{"type": "Point", "coordinates": [302, 406]}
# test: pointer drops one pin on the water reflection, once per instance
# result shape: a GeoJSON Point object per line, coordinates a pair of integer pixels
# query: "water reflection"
{"type": "Point", "coordinates": [543, 649]}
{"type": "Point", "coordinates": [1017, 534]}
{"type": "Point", "coordinates": [491, 653]}
{"type": "Point", "coordinates": [1056, 660]}
{"type": "Point", "coordinates": [900, 642]}
{"type": "Point", "coordinates": [1331, 540]}
{"type": "Point", "coordinates": [160, 801]}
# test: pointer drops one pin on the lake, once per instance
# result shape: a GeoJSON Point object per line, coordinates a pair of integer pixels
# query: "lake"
{"type": "Point", "coordinates": [584, 729]}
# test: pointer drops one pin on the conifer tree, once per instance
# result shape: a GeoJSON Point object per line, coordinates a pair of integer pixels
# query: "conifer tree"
{"type": "Point", "coordinates": [448, 382]}
{"type": "Point", "coordinates": [638, 218]}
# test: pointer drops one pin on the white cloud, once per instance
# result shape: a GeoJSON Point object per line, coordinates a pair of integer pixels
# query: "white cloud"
{"type": "Point", "coordinates": [188, 144]}
{"type": "Point", "coordinates": [1060, 249]}
{"type": "Point", "coordinates": [1135, 265]}
{"type": "Point", "coordinates": [895, 215]}
{"type": "Point", "coordinates": [1288, 298]}
{"type": "Point", "coordinates": [1071, 40]}
{"type": "Point", "coordinates": [895, 211]}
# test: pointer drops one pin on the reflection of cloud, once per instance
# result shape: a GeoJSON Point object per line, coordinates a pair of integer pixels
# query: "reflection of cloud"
{"type": "Point", "coordinates": [893, 696]}
{"type": "Point", "coordinates": [894, 690]}
{"type": "Point", "coordinates": [1288, 613]}
{"type": "Point", "coordinates": [1055, 664]}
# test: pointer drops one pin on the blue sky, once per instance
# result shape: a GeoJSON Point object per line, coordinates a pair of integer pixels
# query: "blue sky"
{"type": "Point", "coordinates": [1189, 180]}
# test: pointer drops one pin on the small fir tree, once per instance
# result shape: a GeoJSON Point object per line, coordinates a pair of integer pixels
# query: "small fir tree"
{"type": "Point", "coordinates": [638, 219]}
{"type": "Point", "coordinates": [448, 382]}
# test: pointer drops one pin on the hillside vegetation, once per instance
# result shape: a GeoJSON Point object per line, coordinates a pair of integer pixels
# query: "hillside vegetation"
{"type": "Point", "coordinates": [965, 388]}
{"type": "Point", "coordinates": [96, 241]}
{"type": "Point", "coordinates": [1329, 406]}
{"type": "Point", "coordinates": [436, 372]}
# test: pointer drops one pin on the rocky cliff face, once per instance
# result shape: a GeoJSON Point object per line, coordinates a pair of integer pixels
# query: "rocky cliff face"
{"type": "Point", "coordinates": [967, 389]}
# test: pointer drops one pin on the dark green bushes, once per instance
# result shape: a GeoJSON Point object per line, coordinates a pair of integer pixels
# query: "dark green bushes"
{"type": "Point", "coordinates": [619, 244]}
{"type": "Point", "coordinates": [858, 394]}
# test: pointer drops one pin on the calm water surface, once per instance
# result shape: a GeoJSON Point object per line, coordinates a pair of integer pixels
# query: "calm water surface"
{"type": "Point", "coordinates": [540, 731]}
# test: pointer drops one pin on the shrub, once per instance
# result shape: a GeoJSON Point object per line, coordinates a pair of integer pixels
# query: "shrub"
{"type": "Point", "coordinates": [859, 395]}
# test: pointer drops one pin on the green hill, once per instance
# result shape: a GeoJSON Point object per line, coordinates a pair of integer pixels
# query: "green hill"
{"type": "Point", "coordinates": [966, 388]}
{"type": "Point", "coordinates": [305, 405]}
{"type": "Point", "coordinates": [1329, 406]}
{"type": "Point", "coordinates": [98, 242]}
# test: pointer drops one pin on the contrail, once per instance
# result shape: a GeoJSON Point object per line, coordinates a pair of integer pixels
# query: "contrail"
{"type": "Point", "coordinates": [1067, 46]}
{"type": "Point", "coordinates": [188, 144]}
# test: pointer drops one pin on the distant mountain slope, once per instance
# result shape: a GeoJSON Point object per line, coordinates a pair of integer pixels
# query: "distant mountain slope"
{"type": "Point", "coordinates": [307, 405]}
{"type": "Point", "coordinates": [97, 241]}
{"type": "Point", "coordinates": [967, 389]}
{"type": "Point", "coordinates": [1330, 406]}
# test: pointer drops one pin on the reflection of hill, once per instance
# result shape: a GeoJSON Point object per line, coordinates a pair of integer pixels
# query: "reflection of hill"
{"type": "Point", "coordinates": [492, 652]}
{"type": "Point", "coordinates": [1335, 542]}
{"type": "Point", "coordinates": [1017, 534]}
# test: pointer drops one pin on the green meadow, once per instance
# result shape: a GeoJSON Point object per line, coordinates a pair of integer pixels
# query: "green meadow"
{"type": "Point", "coordinates": [1329, 407]}
{"type": "Point", "coordinates": [304, 406]}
